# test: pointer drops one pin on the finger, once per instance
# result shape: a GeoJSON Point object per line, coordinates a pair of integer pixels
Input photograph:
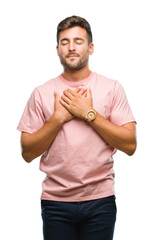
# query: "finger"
{"type": "Point", "coordinates": [68, 94]}
{"type": "Point", "coordinates": [65, 99]}
{"type": "Point", "coordinates": [82, 91]}
{"type": "Point", "coordinates": [57, 97]}
{"type": "Point", "coordinates": [64, 104]}
{"type": "Point", "coordinates": [85, 94]}
{"type": "Point", "coordinates": [72, 92]}
{"type": "Point", "coordinates": [89, 94]}
{"type": "Point", "coordinates": [77, 90]}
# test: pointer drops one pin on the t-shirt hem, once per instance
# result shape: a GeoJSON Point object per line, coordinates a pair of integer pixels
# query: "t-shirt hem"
{"type": "Point", "coordinates": [27, 130]}
{"type": "Point", "coordinates": [80, 199]}
{"type": "Point", "coordinates": [125, 122]}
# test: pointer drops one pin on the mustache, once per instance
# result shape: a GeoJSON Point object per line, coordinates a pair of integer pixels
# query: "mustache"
{"type": "Point", "coordinates": [72, 54]}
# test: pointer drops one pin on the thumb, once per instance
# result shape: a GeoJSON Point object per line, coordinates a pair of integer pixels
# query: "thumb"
{"type": "Point", "coordinates": [56, 96]}
{"type": "Point", "coordinates": [56, 103]}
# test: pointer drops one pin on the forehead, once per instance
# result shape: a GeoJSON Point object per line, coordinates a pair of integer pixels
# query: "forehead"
{"type": "Point", "coordinates": [74, 32]}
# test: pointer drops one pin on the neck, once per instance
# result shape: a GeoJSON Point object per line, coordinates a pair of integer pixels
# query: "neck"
{"type": "Point", "coordinates": [78, 75]}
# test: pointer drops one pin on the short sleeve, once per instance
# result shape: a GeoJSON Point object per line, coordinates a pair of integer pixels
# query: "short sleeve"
{"type": "Point", "coordinates": [120, 112]}
{"type": "Point", "coordinates": [33, 118]}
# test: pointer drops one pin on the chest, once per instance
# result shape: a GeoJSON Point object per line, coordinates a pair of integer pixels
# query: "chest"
{"type": "Point", "coordinates": [101, 98]}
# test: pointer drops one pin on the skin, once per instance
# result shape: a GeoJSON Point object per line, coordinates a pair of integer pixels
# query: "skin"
{"type": "Point", "coordinates": [74, 50]}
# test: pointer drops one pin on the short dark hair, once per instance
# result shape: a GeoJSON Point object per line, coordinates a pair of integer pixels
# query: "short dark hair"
{"type": "Point", "coordinates": [74, 21]}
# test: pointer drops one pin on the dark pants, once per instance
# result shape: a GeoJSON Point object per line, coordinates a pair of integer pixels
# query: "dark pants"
{"type": "Point", "coordinates": [88, 220]}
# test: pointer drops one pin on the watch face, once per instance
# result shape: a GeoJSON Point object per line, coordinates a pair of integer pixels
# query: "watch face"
{"type": "Point", "coordinates": [91, 115]}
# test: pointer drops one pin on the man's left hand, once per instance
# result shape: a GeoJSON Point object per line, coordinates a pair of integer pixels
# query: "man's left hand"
{"type": "Point", "coordinates": [78, 102]}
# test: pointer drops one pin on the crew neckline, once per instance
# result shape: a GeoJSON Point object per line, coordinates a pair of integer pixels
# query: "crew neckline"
{"type": "Point", "coordinates": [80, 83]}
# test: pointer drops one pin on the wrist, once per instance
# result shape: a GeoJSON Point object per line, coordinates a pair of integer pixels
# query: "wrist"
{"type": "Point", "coordinates": [90, 115]}
{"type": "Point", "coordinates": [56, 117]}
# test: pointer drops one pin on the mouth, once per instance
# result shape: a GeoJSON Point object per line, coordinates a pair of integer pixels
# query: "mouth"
{"type": "Point", "coordinates": [72, 55]}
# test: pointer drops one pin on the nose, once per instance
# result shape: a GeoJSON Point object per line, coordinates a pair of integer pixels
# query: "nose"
{"type": "Point", "coordinates": [71, 46]}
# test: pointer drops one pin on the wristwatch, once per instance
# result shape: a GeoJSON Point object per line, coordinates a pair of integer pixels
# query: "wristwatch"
{"type": "Point", "coordinates": [90, 115]}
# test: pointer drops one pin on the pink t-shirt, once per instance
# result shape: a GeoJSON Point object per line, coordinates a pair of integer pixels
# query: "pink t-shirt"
{"type": "Point", "coordinates": [79, 163]}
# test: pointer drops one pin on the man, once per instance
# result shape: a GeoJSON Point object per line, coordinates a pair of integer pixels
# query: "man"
{"type": "Point", "coordinates": [76, 122]}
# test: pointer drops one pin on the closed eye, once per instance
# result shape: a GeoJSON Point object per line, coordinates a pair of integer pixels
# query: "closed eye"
{"type": "Point", "coordinates": [64, 42]}
{"type": "Point", "coordinates": [79, 40]}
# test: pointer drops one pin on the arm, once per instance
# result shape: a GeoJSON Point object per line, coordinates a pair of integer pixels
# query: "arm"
{"type": "Point", "coordinates": [35, 144]}
{"type": "Point", "coordinates": [120, 137]}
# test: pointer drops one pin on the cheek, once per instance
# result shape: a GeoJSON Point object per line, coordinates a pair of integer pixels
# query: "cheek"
{"type": "Point", "coordinates": [62, 55]}
{"type": "Point", "coordinates": [80, 52]}
{"type": "Point", "coordinates": [84, 53]}
{"type": "Point", "coordinates": [63, 51]}
{"type": "Point", "coordinates": [83, 50]}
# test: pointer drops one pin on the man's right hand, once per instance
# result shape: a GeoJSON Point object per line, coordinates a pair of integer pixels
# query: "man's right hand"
{"type": "Point", "coordinates": [61, 113]}
{"type": "Point", "coordinates": [33, 145]}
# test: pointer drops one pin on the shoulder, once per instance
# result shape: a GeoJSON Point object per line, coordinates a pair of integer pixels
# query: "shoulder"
{"type": "Point", "coordinates": [49, 85]}
{"type": "Point", "coordinates": [105, 80]}
{"type": "Point", "coordinates": [43, 92]}
{"type": "Point", "coordinates": [107, 83]}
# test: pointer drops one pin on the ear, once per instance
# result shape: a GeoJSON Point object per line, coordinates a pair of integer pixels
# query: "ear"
{"type": "Point", "coordinates": [57, 47]}
{"type": "Point", "coordinates": [91, 48]}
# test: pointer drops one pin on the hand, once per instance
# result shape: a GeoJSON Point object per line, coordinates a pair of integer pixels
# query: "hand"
{"type": "Point", "coordinates": [77, 102]}
{"type": "Point", "coordinates": [60, 111]}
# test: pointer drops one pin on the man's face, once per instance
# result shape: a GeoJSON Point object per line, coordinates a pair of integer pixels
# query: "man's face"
{"type": "Point", "coordinates": [73, 49]}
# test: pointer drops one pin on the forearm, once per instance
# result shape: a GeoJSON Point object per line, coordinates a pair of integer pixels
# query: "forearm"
{"type": "Point", "coordinates": [120, 137]}
{"type": "Point", "coordinates": [34, 145]}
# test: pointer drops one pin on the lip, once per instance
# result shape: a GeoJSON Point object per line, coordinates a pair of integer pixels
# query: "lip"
{"type": "Point", "coordinates": [72, 56]}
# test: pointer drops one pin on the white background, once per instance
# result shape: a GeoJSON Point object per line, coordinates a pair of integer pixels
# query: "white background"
{"type": "Point", "coordinates": [124, 50]}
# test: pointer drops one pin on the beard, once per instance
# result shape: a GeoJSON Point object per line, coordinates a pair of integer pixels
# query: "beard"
{"type": "Point", "coordinates": [73, 64]}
